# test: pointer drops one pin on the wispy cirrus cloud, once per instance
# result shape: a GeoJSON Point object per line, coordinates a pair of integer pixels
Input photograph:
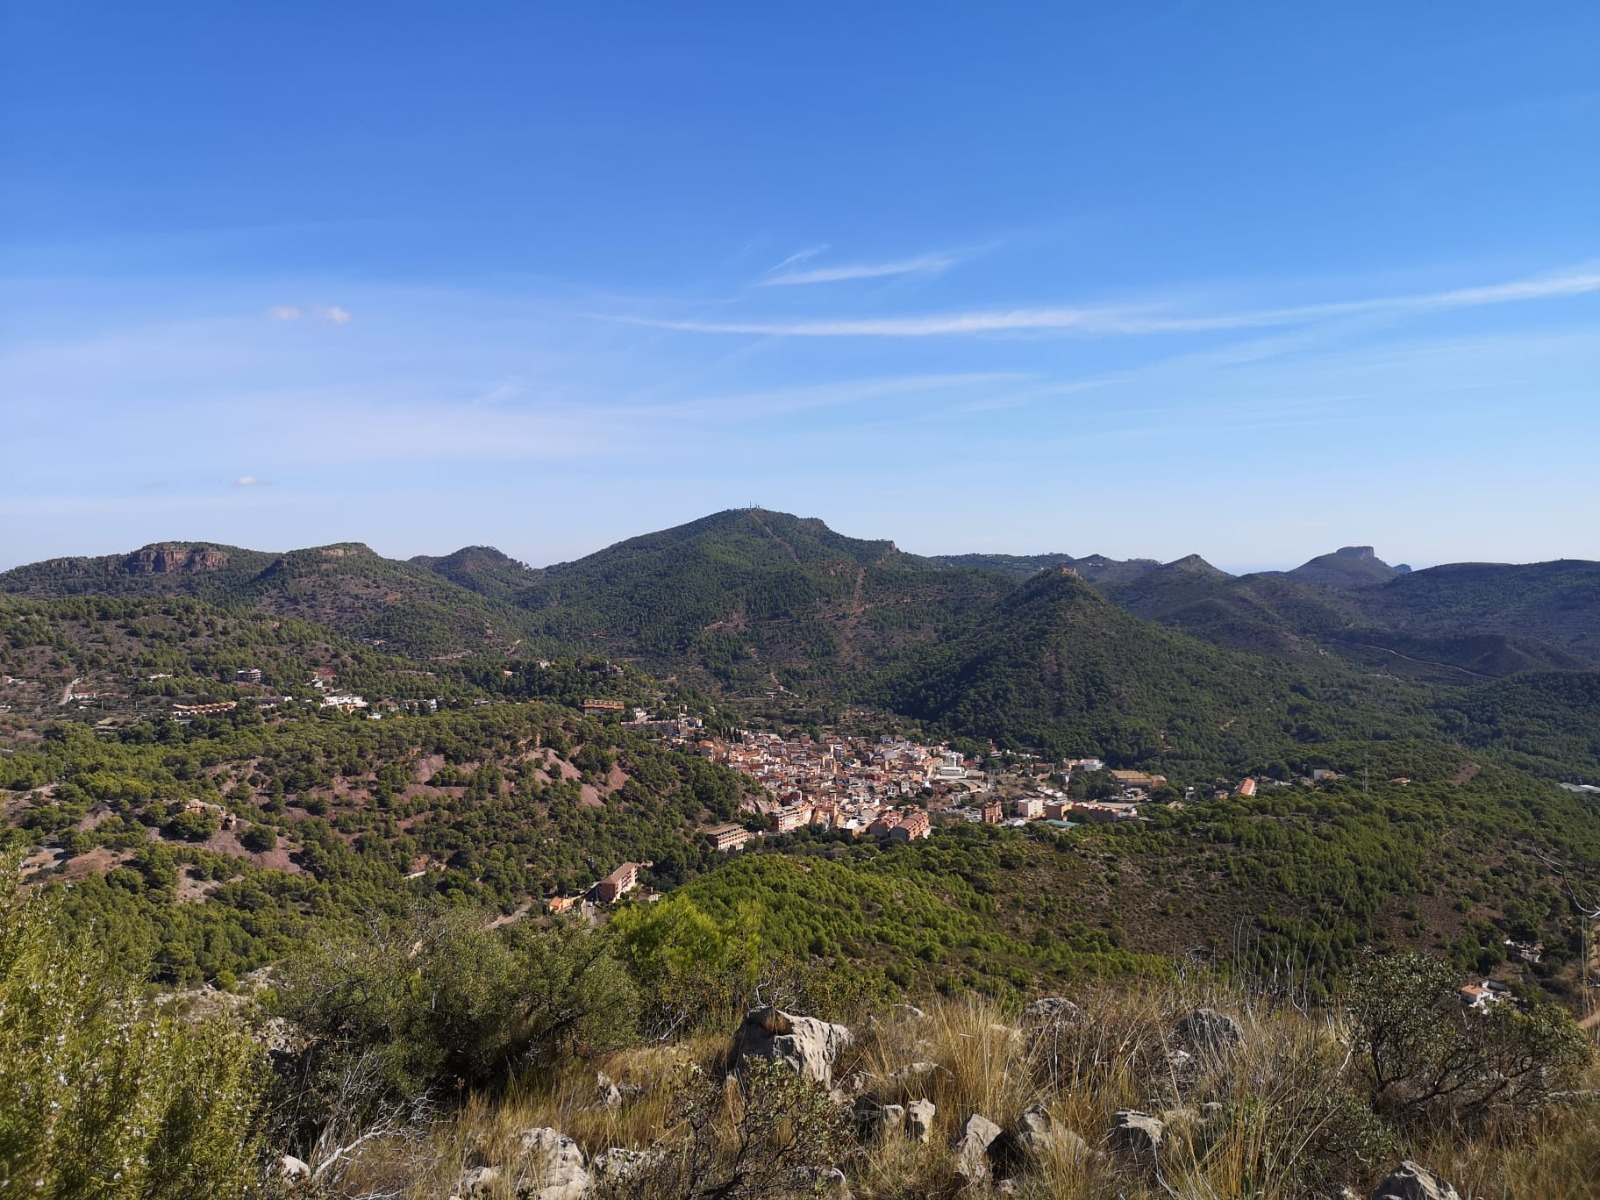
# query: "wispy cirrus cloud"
{"type": "Point", "coordinates": [925, 264]}
{"type": "Point", "coordinates": [329, 314]}
{"type": "Point", "coordinates": [1112, 320]}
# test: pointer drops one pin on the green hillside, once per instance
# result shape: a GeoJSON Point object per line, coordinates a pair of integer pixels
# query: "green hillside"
{"type": "Point", "coordinates": [1546, 722]}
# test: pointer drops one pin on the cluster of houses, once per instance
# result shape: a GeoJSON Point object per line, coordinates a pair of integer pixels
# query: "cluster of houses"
{"type": "Point", "coordinates": [889, 787]}
{"type": "Point", "coordinates": [860, 785]}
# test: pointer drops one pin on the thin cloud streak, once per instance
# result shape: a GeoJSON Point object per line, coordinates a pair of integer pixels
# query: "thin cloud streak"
{"type": "Point", "coordinates": [927, 264]}
{"type": "Point", "coordinates": [1113, 321]}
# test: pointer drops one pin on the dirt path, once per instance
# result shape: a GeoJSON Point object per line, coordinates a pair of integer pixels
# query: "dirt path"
{"type": "Point", "coordinates": [66, 692]}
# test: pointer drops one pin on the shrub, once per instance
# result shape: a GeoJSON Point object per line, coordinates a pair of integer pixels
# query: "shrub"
{"type": "Point", "coordinates": [439, 1003]}
{"type": "Point", "coordinates": [1426, 1054]}
{"type": "Point", "coordinates": [191, 826]}
{"type": "Point", "coordinates": [258, 839]}
{"type": "Point", "coordinates": [101, 1093]}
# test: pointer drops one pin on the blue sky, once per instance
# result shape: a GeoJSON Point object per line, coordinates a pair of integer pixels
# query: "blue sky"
{"type": "Point", "coordinates": [1251, 281]}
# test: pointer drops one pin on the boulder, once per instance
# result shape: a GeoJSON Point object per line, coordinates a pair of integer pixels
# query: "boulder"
{"type": "Point", "coordinates": [1038, 1136]}
{"type": "Point", "coordinates": [293, 1169]}
{"type": "Point", "coordinates": [610, 1094]}
{"type": "Point", "coordinates": [911, 1071]}
{"type": "Point", "coordinates": [1206, 1029]}
{"type": "Point", "coordinates": [1412, 1181]}
{"type": "Point", "coordinates": [1137, 1134]}
{"type": "Point", "coordinates": [478, 1182]}
{"type": "Point", "coordinates": [619, 1163]}
{"type": "Point", "coordinates": [919, 1120]}
{"type": "Point", "coordinates": [971, 1148]}
{"type": "Point", "coordinates": [911, 1012]}
{"type": "Point", "coordinates": [553, 1166]}
{"type": "Point", "coordinates": [858, 1082]}
{"type": "Point", "coordinates": [1034, 1122]}
{"type": "Point", "coordinates": [877, 1122]}
{"type": "Point", "coordinates": [806, 1045]}
{"type": "Point", "coordinates": [1051, 1010]}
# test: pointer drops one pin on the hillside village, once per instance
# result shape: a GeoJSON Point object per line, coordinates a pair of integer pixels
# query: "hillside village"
{"type": "Point", "coordinates": [893, 787]}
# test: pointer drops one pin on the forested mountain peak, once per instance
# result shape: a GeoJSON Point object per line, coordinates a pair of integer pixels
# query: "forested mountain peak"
{"type": "Point", "coordinates": [482, 569]}
{"type": "Point", "coordinates": [753, 532]}
{"type": "Point", "coordinates": [1193, 564]}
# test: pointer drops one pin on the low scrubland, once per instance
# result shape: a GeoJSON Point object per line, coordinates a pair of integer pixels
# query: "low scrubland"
{"type": "Point", "coordinates": [422, 1058]}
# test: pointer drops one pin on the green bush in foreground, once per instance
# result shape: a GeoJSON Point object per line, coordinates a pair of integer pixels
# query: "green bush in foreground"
{"type": "Point", "coordinates": [103, 1094]}
{"type": "Point", "coordinates": [435, 1005]}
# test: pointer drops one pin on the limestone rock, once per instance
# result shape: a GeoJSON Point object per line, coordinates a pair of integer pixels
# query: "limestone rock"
{"type": "Point", "coordinates": [619, 1163]}
{"type": "Point", "coordinates": [553, 1166]}
{"type": "Point", "coordinates": [1411, 1181]}
{"type": "Point", "coordinates": [1035, 1121]}
{"type": "Point", "coordinates": [293, 1169]}
{"type": "Point", "coordinates": [878, 1122]}
{"type": "Point", "coordinates": [1206, 1029]}
{"type": "Point", "coordinates": [911, 1012]}
{"type": "Point", "coordinates": [858, 1082]}
{"type": "Point", "coordinates": [1136, 1133]}
{"type": "Point", "coordinates": [806, 1045]}
{"type": "Point", "coordinates": [480, 1181]}
{"type": "Point", "coordinates": [919, 1120]}
{"type": "Point", "coordinates": [914, 1070]}
{"type": "Point", "coordinates": [1051, 1010]}
{"type": "Point", "coordinates": [609, 1094]}
{"type": "Point", "coordinates": [971, 1149]}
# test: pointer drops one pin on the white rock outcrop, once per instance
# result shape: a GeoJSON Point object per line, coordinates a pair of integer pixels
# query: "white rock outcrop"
{"type": "Point", "coordinates": [553, 1166]}
{"type": "Point", "coordinates": [1412, 1181]}
{"type": "Point", "coordinates": [806, 1045]}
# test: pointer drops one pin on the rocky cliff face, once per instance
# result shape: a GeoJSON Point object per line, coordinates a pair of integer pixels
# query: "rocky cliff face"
{"type": "Point", "coordinates": [171, 560]}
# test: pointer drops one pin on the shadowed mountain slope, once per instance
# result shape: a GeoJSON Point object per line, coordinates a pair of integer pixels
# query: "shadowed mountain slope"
{"type": "Point", "coordinates": [1057, 665]}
